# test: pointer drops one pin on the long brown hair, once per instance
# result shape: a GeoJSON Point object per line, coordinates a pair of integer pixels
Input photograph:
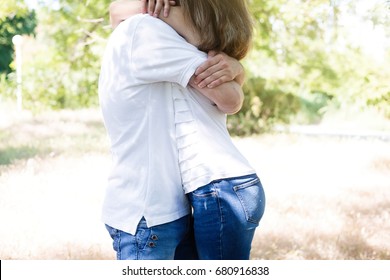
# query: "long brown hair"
{"type": "Point", "coordinates": [223, 25]}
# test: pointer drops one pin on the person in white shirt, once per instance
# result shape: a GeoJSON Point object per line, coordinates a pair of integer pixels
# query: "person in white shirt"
{"type": "Point", "coordinates": [148, 79]}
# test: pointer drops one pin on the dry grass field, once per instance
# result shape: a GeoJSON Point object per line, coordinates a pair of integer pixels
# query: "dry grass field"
{"type": "Point", "coordinates": [327, 197]}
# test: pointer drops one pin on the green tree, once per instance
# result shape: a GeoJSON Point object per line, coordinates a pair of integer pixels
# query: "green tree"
{"type": "Point", "coordinates": [15, 18]}
{"type": "Point", "coordinates": [288, 68]}
{"type": "Point", "coordinates": [304, 62]}
{"type": "Point", "coordinates": [65, 70]}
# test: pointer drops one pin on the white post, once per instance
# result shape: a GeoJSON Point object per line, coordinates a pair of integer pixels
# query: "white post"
{"type": "Point", "coordinates": [17, 41]}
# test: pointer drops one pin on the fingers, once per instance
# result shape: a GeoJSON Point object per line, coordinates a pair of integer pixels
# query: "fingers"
{"type": "Point", "coordinates": [154, 7]}
{"type": "Point", "coordinates": [207, 72]}
{"type": "Point", "coordinates": [167, 7]}
{"type": "Point", "coordinates": [210, 62]}
{"type": "Point", "coordinates": [208, 75]}
{"type": "Point", "coordinates": [144, 6]}
{"type": "Point", "coordinates": [214, 72]}
{"type": "Point", "coordinates": [151, 7]}
{"type": "Point", "coordinates": [214, 80]}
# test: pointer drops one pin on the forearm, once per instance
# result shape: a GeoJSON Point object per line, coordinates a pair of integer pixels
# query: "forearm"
{"type": "Point", "coordinates": [228, 97]}
{"type": "Point", "coordinates": [123, 9]}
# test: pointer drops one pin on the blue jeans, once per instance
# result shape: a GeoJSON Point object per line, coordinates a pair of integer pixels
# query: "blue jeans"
{"type": "Point", "coordinates": [226, 213]}
{"type": "Point", "coordinates": [168, 241]}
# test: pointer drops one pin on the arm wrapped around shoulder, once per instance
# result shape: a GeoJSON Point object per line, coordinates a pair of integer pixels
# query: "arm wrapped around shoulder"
{"type": "Point", "coordinates": [228, 97]}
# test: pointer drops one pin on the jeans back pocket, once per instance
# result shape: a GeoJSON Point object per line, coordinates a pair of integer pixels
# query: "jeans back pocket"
{"type": "Point", "coordinates": [252, 198]}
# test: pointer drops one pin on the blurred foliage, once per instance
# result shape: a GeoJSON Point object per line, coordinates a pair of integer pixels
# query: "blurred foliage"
{"type": "Point", "coordinates": [304, 61]}
{"type": "Point", "coordinates": [12, 8]}
{"type": "Point", "coordinates": [262, 108]}
{"type": "Point", "coordinates": [61, 68]}
{"type": "Point", "coordinates": [15, 18]}
{"type": "Point", "coordinates": [66, 69]}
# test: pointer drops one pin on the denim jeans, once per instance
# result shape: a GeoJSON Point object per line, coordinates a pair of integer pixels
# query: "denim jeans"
{"type": "Point", "coordinates": [226, 213]}
{"type": "Point", "coordinates": [168, 241]}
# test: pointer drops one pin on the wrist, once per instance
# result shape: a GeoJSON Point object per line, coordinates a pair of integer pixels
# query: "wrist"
{"type": "Point", "coordinates": [240, 78]}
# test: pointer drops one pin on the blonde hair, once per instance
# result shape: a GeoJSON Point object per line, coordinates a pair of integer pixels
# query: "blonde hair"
{"type": "Point", "coordinates": [223, 25]}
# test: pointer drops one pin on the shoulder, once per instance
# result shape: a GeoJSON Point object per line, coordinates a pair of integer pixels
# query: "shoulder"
{"type": "Point", "coordinates": [151, 32]}
{"type": "Point", "coordinates": [144, 22]}
{"type": "Point", "coordinates": [144, 29]}
{"type": "Point", "coordinates": [152, 25]}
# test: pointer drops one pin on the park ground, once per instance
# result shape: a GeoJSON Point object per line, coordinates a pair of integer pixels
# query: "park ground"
{"type": "Point", "coordinates": [328, 197]}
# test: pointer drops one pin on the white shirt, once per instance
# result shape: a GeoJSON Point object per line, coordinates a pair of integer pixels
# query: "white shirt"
{"type": "Point", "coordinates": [206, 150]}
{"type": "Point", "coordinates": [144, 64]}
